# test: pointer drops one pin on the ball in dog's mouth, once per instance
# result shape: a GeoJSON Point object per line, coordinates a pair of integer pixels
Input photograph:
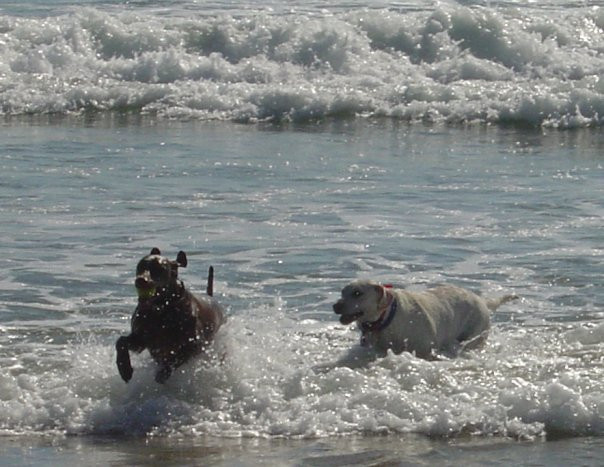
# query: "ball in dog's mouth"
{"type": "Point", "coordinates": [145, 293]}
{"type": "Point", "coordinates": [347, 319]}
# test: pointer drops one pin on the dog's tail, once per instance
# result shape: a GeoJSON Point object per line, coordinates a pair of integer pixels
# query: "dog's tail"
{"type": "Point", "coordinates": [210, 288]}
{"type": "Point", "coordinates": [494, 303]}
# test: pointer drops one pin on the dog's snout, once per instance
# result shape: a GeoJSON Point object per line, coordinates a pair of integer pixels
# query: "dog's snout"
{"type": "Point", "coordinates": [337, 307]}
{"type": "Point", "coordinates": [143, 282]}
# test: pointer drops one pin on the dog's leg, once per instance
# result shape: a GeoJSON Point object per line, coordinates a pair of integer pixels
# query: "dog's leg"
{"type": "Point", "coordinates": [123, 359]}
{"type": "Point", "coordinates": [163, 374]}
{"type": "Point", "coordinates": [123, 345]}
{"type": "Point", "coordinates": [476, 342]}
{"type": "Point", "coordinates": [176, 359]}
{"type": "Point", "coordinates": [167, 365]}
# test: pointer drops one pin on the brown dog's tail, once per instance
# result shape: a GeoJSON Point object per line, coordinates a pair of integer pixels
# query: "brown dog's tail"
{"type": "Point", "coordinates": [494, 303]}
{"type": "Point", "coordinates": [210, 288]}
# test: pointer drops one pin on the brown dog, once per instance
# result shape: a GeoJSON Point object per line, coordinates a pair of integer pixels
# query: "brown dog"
{"type": "Point", "coordinates": [169, 321]}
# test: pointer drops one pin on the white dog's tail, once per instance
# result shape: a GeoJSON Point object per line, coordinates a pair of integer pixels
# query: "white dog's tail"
{"type": "Point", "coordinates": [494, 303]}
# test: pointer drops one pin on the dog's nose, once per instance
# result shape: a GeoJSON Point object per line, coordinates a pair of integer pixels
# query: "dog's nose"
{"type": "Point", "coordinates": [337, 308]}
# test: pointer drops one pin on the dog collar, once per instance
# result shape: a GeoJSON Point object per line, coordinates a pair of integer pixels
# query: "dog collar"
{"type": "Point", "coordinates": [385, 318]}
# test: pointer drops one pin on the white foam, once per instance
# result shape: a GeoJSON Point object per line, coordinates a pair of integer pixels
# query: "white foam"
{"type": "Point", "coordinates": [586, 335]}
{"type": "Point", "coordinates": [280, 377]}
{"type": "Point", "coordinates": [452, 64]}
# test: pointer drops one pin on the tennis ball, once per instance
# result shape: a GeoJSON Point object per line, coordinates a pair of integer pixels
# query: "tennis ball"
{"type": "Point", "coordinates": [145, 293]}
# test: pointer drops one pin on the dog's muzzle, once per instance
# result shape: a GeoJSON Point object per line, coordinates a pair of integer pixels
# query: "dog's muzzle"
{"type": "Point", "coordinates": [145, 288]}
{"type": "Point", "coordinates": [338, 309]}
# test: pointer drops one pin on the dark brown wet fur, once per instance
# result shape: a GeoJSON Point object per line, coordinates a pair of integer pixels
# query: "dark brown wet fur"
{"type": "Point", "coordinates": [172, 323]}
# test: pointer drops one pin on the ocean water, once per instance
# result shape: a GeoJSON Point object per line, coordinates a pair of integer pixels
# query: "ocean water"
{"type": "Point", "coordinates": [297, 146]}
{"type": "Point", "coordinates": [436, 62]}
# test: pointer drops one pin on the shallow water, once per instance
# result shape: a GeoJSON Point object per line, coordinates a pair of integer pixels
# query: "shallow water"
{"type": "Point", "coordinates": [287, 215]}
{"type": "Point", "coordinates": [393, 450]}
{"type": "Point", "coordinates": [296, 147]}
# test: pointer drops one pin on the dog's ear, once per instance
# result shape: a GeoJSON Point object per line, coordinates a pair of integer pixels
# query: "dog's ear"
{"type": "Point", "coordinates": [380, 292]}
{"type": "Point", "coordinates": [181, 259]}
{"type": "Point", "coordinates": [155, 251]}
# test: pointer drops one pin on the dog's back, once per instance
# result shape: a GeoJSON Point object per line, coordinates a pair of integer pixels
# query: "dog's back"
{"type": "Point", "coordinates": [210, 316]}
{"type": "Point", "coordinates": [176, 332]}
{"type": "Point", "coordinates": [439, 319]}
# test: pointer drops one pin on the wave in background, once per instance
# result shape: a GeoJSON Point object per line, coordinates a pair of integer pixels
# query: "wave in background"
{"type": "Point", "coordinates": [452, 64]}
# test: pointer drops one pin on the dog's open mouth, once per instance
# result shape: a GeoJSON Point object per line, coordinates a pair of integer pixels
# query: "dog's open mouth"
{"type": "Point", "coordinates": [347, 319]}
{"type": "Point", "coordinates": [145, 293]}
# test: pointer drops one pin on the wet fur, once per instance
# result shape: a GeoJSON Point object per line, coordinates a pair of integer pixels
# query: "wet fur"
{"type": "Point", "coordinates": [440, 319]}
{"type": "Point", "coordinates": [173, 324]}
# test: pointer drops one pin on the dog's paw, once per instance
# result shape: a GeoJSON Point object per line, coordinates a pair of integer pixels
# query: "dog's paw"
{"type": "Point", "coordinates": [126, 372]}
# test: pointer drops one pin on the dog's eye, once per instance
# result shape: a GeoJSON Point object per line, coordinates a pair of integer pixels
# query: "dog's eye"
{"type": "Point", "coordinates": [357, 293]}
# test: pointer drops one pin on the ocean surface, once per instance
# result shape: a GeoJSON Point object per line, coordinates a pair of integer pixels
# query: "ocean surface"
{"type": "Point", "coordinates": [296, 146]}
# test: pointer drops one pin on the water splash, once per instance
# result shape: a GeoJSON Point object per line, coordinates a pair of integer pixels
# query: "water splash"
{"type": "Point", "coordinates": [273, 376]}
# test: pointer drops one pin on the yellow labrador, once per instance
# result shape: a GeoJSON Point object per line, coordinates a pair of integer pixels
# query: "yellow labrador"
{"type": "Point", "coordinates": [443, 318]}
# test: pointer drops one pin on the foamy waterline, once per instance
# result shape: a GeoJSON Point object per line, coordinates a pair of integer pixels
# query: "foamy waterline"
{"type": "Point", "coordinates": [450, 65]}
{"type": "Point", "coordinates": [310, 379]}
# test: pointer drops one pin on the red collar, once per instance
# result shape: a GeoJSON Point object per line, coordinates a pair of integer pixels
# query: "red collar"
{"type": "Point", "coordinates": [386, 315]}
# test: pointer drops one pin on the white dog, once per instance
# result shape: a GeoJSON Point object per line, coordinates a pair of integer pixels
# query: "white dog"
{"type": "Point", "coordinates": [444, 318]}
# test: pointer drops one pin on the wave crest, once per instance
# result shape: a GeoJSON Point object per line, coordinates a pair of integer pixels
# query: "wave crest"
{"type": "Point", "coordinates": [451, 65]}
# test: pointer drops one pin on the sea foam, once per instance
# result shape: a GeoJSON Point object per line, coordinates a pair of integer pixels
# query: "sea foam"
{"type": "Point", "coordinates": [309, 379]}
{"type": "Point", "coordinates": [451, 64]}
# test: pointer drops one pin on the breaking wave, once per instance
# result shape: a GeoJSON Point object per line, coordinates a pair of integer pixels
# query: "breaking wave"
{"type": "Point", "coordinates": [452, 64]}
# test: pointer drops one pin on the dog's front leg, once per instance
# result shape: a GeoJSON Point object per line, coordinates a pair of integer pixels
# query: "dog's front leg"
{"type": "Point", "coordinates": [163, 374]}
{"type": "Point", "coordinates": [168, 365]}
{"type": "Point", "coordinates": [123, 345]}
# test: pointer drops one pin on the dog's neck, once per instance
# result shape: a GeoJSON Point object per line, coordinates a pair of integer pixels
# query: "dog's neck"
{"type": "Point", "coordinates": [387, 312]}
